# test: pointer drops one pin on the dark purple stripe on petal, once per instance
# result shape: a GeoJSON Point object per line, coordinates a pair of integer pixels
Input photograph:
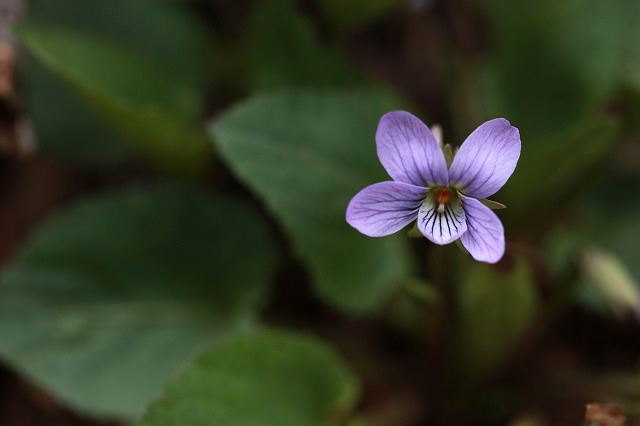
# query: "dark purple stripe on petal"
{"type": "Point", "coordinates": [485, 234]}
{"type": "Point", "coordinates": [408, 150]}
{"type": "Point", "coordinates": [384, 208]}
{"type": "Point", "coordinates": [441, 228]}
{"type": "Point", "coordinates": [486, 159]}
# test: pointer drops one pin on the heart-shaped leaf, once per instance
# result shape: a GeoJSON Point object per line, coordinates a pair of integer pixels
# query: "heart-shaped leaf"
{"type": "Point", "coordinates": [265, 379]}
{"type": "Point", "coordinates": [306, 154]}
{"type": "Point", "coordinates": [108, 298]}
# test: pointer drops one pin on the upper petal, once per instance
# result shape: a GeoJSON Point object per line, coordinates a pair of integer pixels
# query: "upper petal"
{"type": "Point", "coordinates": [445, 227]}
{"type": "Point", "coordinates": [384, 208]}
{"type": "Point", "coordinates": [408, 150]}
{"type": "Point", "coordinates": [485, 234]}
{"type": "Point", "coordinates": [486, 159]}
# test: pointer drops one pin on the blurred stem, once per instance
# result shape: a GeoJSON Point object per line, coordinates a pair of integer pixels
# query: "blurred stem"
{"type": "Point", "coordinates": [439, 339]}
{"type": "Point", "coordinates": [461, 100]}
{"type": "Point", "coordinates": [422, 292]}
{"type": "Point", "coordinates": [565, 287]}
{"type": "Point", "coordinates": [462, 67]}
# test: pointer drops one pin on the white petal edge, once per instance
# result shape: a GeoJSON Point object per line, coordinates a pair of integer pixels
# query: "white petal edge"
{"type": "Point", "coordinates": [442, 228]}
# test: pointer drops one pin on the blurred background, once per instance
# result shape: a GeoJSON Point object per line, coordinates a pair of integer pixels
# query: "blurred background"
{"type": "Point", "coordinates": [173, 181]}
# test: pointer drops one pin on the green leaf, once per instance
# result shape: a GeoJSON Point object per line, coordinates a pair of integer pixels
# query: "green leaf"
{"type": "Point", "coordinates": [153, 112]}
{"type": "Point", "coordinates": [553, 65]}
{"type": "Point", "coordinates": [494, 205]}
{"type": "Point", "coordinates": [601, 244]}
{"type": "Point", "coordinates": [65, 128]}
{"type": "Point", "coordinates": [306, 154]}
{"type": "Point", "coordinates": [108, 298]}
{"type": "Point", "coordinates": [264, 379]}
{"type": "Point", "coordinates": [549, 173]}
{"type": "Point", "coordinates": [612, 280]}
{"type": "Point", "coordinates": [613, 231]}
{"type": "Point", "coordinates": [284, 51]}
{"type": "Point", "coordinates": [494, 309]}
{"type": "Point", "coordinates": [601, 39]}
{"type": "Point", "coordinates": [527, 78]}
{"type": "Point", "coordinates": [161, 30]}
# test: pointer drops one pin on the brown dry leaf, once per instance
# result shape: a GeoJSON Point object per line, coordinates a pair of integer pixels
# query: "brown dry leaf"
{"type": "Point", "coordinates": [604, 415]}
{"type": "Point", "coordinates": [17, 138]}
{"type": "Point", "coordinates": [7, 66]}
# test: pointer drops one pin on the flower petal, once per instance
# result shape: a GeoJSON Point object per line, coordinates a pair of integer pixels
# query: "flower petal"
{"type": "Point", "coordinates": [384, 208]}
{"type": "Point", "coordinates": [485, 234]}
{"type": "Point", "coordinates": [408, 150]}
{"type": "Point", "coordinates": [445, 227]}
{"type": "Point", "coordinates": [486, 159]}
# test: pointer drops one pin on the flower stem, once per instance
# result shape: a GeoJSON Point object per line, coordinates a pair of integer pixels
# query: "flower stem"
{"type": "Point", "coordinates": [439, 340]}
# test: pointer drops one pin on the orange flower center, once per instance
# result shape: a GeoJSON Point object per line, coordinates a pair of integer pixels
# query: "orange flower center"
{"type": "Point", "coordinates": [443, 195]}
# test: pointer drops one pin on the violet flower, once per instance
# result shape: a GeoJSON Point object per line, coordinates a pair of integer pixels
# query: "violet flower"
{"type": "Point", "coordinates": [446, 201]}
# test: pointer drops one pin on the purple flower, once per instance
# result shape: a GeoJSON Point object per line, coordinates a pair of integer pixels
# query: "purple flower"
{"type": "Point", "coordinates": [446, 201]}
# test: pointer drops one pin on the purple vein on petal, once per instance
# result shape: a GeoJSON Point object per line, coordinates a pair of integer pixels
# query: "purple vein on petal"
{"type": "Point", "coordinates": [485, 235]}
{"type": "Point", "coordinates": [384, 208]}
{"type": "Point", "coordinates": [408, 150]}
{"type": "Point", "coordinates": [441, 228]}
{"type": "Point", "coordinates": [486, 159]}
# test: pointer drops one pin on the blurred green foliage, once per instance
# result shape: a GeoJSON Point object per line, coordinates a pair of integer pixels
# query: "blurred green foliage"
{"type": "Point", "coordinates": [65, 128]}
{"type": "Point", "coordinates": [111, 296]}
{"type": "Point", "coordinates": [345, 16]}
{"type": "Point", "coordinates": [270, 378]}
{"type": "Point", "coordinates": [495, 310]}
{"type": "Point", "coordinates": [306, 154]}
{"type": "Point", "coordinates": [284, 51]}
{"type": "Point", "coordinates": [553, 64]}
{"type": "Point", "coordinates": [161, 31]}
{"type": "Point", "coordinates": [154, 112]}
{"type": "Point", "coordinates": [143, 76]}
{"type": "Point", "coordinates": [107, 299]}
{"type": "Point", "coordinates": [553, 170]}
